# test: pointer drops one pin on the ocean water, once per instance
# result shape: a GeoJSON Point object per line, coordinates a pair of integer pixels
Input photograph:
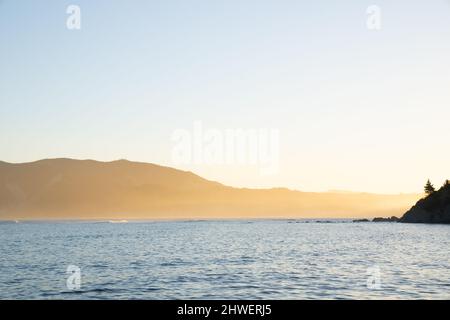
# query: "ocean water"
{"type": "Point", "coordinates": [262, 259]}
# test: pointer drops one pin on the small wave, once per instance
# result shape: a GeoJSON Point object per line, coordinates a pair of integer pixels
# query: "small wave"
{"type": "Point", "coordinates": [9, 221]}
{"type": "Point", "coordinates": [192, 221]}
{"type": "Point", "coordinates": [118, 221]}
{"type": "Point", "coordinates": [86, 291]}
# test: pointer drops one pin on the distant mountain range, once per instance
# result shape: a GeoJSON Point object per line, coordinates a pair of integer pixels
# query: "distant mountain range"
{"type": "Point", "coordinates": [87, 189]}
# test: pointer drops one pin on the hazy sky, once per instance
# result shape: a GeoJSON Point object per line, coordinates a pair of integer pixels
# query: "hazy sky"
{"type": "Point", "coordinates": [356, 109]}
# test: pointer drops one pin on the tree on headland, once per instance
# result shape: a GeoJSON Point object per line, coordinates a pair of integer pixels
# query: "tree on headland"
{"type": "Point", "coordinates": [429, 188]}
{"type": "Point", "coordinates": [446, 184]}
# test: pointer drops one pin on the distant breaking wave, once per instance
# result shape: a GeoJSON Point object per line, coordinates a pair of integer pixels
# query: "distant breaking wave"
{"type": "Point", "coordinates": [9, 221]}
{"type": "Point", "coordinates": [118, 221]}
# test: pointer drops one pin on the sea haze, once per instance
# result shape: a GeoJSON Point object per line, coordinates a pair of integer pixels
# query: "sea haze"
{"type": "Point", "coordinates": [255, 259]}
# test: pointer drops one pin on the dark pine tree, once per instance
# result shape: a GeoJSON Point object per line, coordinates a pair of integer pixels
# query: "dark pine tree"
{"type": "Point", "coordinates": [429, 188]}
{"type": "Point", "coordinates": [446, 184]}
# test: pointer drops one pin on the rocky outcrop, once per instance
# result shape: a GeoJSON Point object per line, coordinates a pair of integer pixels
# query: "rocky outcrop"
{"type": "Point", "coordinates": [361, 220]}
{"type": "Point", "coordinates": [435, 208]}
{"type": "Point", "coordinates": [391, 219]}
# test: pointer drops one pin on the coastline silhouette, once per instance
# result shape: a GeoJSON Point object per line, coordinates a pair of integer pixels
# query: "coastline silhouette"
{"type": "Point", "coordinates": [122, 190]}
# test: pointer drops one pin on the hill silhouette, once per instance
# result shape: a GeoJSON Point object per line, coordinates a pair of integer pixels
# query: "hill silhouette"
{"type": "Point", "coordinates": [87, 189]}
{"type": "Point", "coordinates": [435, 208]}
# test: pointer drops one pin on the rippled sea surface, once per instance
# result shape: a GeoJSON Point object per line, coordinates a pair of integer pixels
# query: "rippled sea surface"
{"type": "Point", "coordinates": [282, 259]}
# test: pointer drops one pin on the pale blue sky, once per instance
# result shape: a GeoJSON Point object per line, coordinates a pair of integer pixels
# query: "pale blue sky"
{"type": "Point", "coordinates": [356, 109]}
